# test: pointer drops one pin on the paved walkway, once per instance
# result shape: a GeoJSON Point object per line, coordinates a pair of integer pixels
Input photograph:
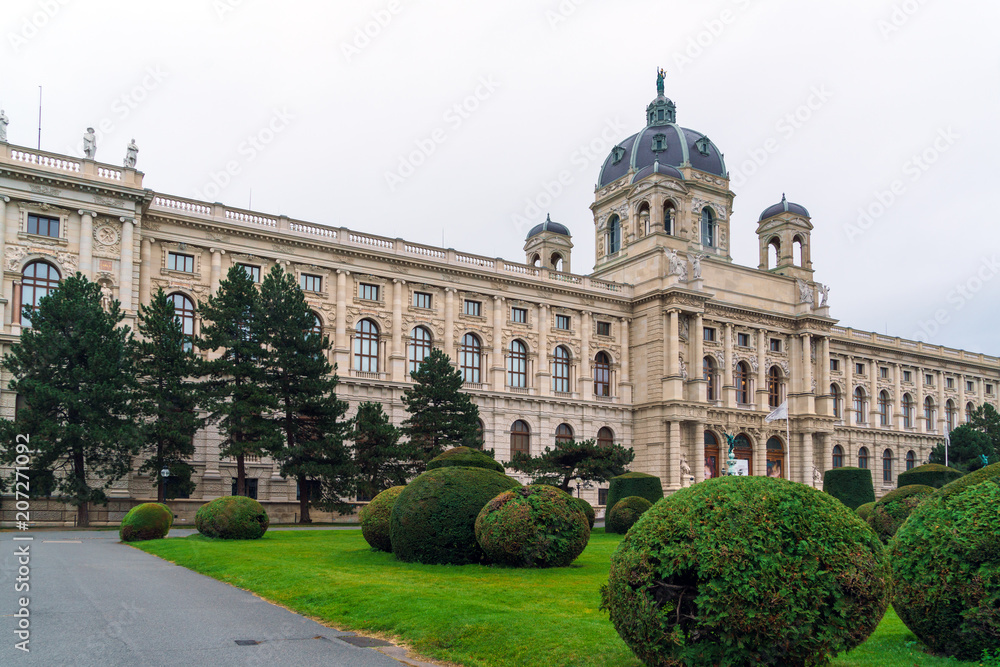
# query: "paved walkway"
{"type": "Point", "coordinates": [95, 601]}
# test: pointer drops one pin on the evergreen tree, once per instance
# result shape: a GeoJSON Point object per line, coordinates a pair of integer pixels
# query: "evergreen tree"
{"type": "Point", "coordinates": [309, 415]}
{"type": "Point", "coordinates": [73, 373]}
{"type": "Point", "coordinates": [379, 460]}
{"type": "Point", "coordinates": [986, 420]}
{"type": "Point", "coordinates": [237, 396]}
{"type": "Point", "coordinates": [441, 414]}
{"type": "Point", "coordinates": [585, 460]}
{"type": "Point", "coordinates": [168, 396]}
{"type": "Point", "coordinates": [966, 449]}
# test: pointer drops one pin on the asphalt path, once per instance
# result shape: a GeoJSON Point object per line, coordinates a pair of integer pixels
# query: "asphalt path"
{"type": "Point", "coordinates": [95, 601]}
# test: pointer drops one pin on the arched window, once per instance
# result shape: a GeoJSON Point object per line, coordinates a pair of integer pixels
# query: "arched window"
{"type": "Point", "coordinates": [420, 347]}
{"type": "Point", "coordinates": [838, 402]}
{"type": "Point", "coordinates": [838, 456]}
{"type": "Point", "coordinates": [911, 460]}
{"type": "Point", "coordinates": [39, 279]}
{"type": "Point", "coordinates": [535, 260]}
{"type": "Point", "coordinates": [741, 378]}
{"type": "Point", "coordinates": [863, 458]}
{"type": "Point", "coordinates": [711, 455]}
{"type": "Point", "coordinates": [480, 433]}
{"type": "Point", "coordinates": [707, 227]}
{"type": "Point", "coordinates": [883, 408]}
{"type": "Point", "coordinates": [614, 235]}
{"type": "Point", "coordinates": [317, 327]}
{"type": "Point", "coordinates": [366, 346]}
{"type": "Point", "coordinates": [643, 219]}
{"type": "Point", "coordinates": [860, 406]}
{"type": "Point", "coordinates": [907, 411]}
{"type": "Point", "coordinates": [471, 356]}
{"type": "Point", "coordinates": [605, 437]}
{"type": "Point", "coordinates": [602, 375]}
{"type": "Point", "coordinates": [711, 379]}
{"type": "Point", "coordinates": [950, 415]}
{"type": "Point", "coordinates": [517, 365]}
{"type": "Point", "coordinates": [797, 251]}
{"type": "Point", "coordinates": [773, 252]}
{"type": "Point", "coordinates": [184, 313]}
{"type": "Point", "coordinates": [774, 386]}
{"type": "Point", "coordinates": [520, 437]}
{"type": "Point", "coordinates": [560, 370]}
{"type": "Point", "coordinates": [564, 434]}
{"type": "Point", "coordinates": [887, 466]}
{"type": "Point", "coordinates": [969, 409]}
{"type": "Point", "coordinates": [929, 413]}
{"type": "Point", "coordinates": [669, 215]}
{"type": "Point", "coordinates": [775, 457]}
{"type": "Point", "coordinates": [556, 261]}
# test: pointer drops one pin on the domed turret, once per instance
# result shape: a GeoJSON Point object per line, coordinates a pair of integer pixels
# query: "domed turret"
{"type": "Point", "coordinates": [549, 245]}
{"type": "Point", "coordinates": [783, 231]}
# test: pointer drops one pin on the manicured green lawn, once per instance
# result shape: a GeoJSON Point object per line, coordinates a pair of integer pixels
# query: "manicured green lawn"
{"type": "Point", "coordinates": [471, 615]}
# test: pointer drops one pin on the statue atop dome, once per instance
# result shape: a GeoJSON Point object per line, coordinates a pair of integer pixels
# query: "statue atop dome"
{"type": "Point", "coordinates": [660, 75]}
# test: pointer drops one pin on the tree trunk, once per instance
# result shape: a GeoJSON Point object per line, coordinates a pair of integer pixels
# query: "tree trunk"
{"type": "Point", "coordinates": [80, 472]}
{"type": "Point", "coordinates": [241, 476]}
{"type": "Point", "coordinates": [83, 515]}
{"type": "Point", "coordinates": [305, 488]}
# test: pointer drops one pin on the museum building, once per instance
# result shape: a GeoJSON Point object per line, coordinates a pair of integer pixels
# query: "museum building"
{"type": "Point", "coordinates": [667, 346]}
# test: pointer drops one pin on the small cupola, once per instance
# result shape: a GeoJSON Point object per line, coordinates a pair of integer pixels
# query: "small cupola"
{"type": "Point", "coordinates": [549, 244]}
{"type": "Point", "coordinates": [783, 231]}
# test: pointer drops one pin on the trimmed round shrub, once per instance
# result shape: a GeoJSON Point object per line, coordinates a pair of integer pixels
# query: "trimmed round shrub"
{"type": "Point", "coordinates": [465, 457]}
{"type": "Point", "coordinates": [434, 518]}
{"type": "Point", "coordinates": [169, 511]}
{"type": "Point", "coordinates": [946, 563]}
{"type": "Point", "coordinates": [634, 484]}
{"type": "Point", "coordinates": [889, 513]}
{"type": "Point", "coordinates": [148, 521]}
{"type": "Point", "coordinates": [625, 513]}
{"type": "Point", "coordinates": [929, 474]}
{"type": "Point", "coordinates": [852, 486]}
{"type": "Point", "coordinates": [747, 571]}
{"type": "Point", "coordinates": [588, 510]}
{"type": "Point", "coordinates": [865, 511]}
{"type": "Point", "coordinates": [375, 519]}
{"type": "Point", "coordinates": [532, 526]}
{"type": "Point", "coordinates": [232, 518]}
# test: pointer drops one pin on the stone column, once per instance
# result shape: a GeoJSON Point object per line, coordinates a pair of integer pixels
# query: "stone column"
{"type": "Point", "coordinates": [942, 424]}
{"type": "Point", "coordinates": [873, 373]}
{"type": "Point", "coordinates": [87, 243]}
{"type": "Point", "coordinates": [15, 310]}
{"type": "Point", "coordinates": [341, 353]}
{"type": "Point", "coordinates": [586, 377]}
{"type": "Point", "coordinates": [674, 457]}
{"type": "Point", "coordinates": [808, 459]}
{"type": "Point", "coordinates": [125, 281]}
{"type": "Point", "coordinates": [5, 309]}
{"type": "Point", "coordinates": [673, 344]}
{"type": "Point", "coordinates": [449, 324]}
{"type": "Point", "coordinates": [762, 370]}
{"type": "Point", "coordinates": [697, 372]}
{"type": "Point", "coordinates": [918, 409]}
{"type": "Point", "coordinates": [824, 372]}
{"type": "Point", "coordinates": [499, 372]}
{"type": "Point", "coordinates": [728, 389]}
{"type": "Point", "coordinates": [216, 275]}
{"type": "Point", "coordinates": [544, 382]}
{"type": "Point", "coordinates": [145, 269]}
{"type": "Point", "coordinates": [397, 358]}
{"type": "Point", "coordinates": [897, 397]}
{"type": "Point", "coordinates": [699, 452]}
{"type": "Point", "coordinates": [849, 391]}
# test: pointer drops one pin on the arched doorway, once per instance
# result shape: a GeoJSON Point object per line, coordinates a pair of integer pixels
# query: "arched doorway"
{"type": "Point", "coordinates": [775, 457]}
{"type": "Point", "coordinates": [744, 453]}
{"type": "Point", "coordinates": [711, 455]}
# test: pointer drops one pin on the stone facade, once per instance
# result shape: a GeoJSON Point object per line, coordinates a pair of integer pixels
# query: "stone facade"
{"type": "Point", "coordinates": [692, 346]}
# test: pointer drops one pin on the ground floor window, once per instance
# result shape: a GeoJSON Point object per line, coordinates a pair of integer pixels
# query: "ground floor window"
{"type": "Point", "coordinates": [251, 487]}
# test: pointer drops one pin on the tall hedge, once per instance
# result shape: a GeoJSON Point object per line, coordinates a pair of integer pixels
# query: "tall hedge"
{"type": "Point", "coordinates": [892, 509]}
{"type": "Point", "coordinates": [634, 484]}
{"type": "Point", "coordinates": [930, 474]}
{"type": "Point", "coordinates": [946, 564]}
{"type": "Point", "coordinates": [747, 571]}
{"type": "Point", "coordinates": [852, 486]}
{"type": "Point", "coordinates": [434, 518]}
{"type": "Point", "coordinates": [466, 457]}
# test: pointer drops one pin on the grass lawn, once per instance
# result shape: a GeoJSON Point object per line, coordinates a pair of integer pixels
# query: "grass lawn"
{"type": "Point", "coordinates": [471, 615]}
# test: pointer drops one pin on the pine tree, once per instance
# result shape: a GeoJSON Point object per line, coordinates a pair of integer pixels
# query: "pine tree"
{"type": "Point", "coordinates": [309, 415]}
{"type": "Point", "coordinates": [168, 396]}
{"type": "Point", "coordinates": [441, 414]}
{"type": "Point", "coordinates": [584, 460]}
{"type": "Point", "coordinates": [238, 397]}
{"type": "Point", "coordinates": [73, 373]}
{"type": "Point", "coordinates": [379, 460]}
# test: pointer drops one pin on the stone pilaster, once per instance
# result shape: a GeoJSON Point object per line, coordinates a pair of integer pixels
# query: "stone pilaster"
{"type": "Point", "coordinates": [87, 243]}
{"type": "Point", "coordinates": [125, 281]}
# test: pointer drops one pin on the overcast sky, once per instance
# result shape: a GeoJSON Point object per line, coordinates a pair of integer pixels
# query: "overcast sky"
{"type": "Point", "coordinates": [430, 119]}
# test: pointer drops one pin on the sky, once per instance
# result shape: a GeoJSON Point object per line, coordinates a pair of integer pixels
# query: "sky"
{"type": "Point", "coordinates": [463, 123]}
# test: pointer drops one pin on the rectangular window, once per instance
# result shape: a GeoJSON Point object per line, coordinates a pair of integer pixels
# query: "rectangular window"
{"type": "Point", "coordinates": [949, 383]}
{"type": "Point", "coordinates": [969, 386]}
{"type": "Point", "coordinates": [474, 308]}
{"type": "Point", "coordinates": [602, 496]}
{"type": "Point", "coordinates": [562, 322]}
{"type": "Point", "coordinates": [311, 283]}
{"type": "Point", "coordinates": [709, 334]}
{"type": "Point", "coordinates": [421, 300]}
{"type": "Point", "coordinates": [179, 262]}
{"type": "Point", "coordinates": [835, 364]}
{"type": "Point", "coordinates": [367, 292]}
{"type": "Point", "coordinates": [743, 340]}
{"type": "Point", "coordinates": [604, 328]}
{"type": "Point", "coordinates": [775, 345]}
{"type": "Point", "coordinates": [989, 390]}
{"type": "Point", "coordinates": [859, 369]}
{"type": "Point", "coordinates": [907, 376]}
{"type": "Point", "coordinates": [251, 487]}
{"type": "Point", "coordinates": [928, 379]}
{"type": "Point", "coordinates": [519, 315]}
{"type": "Point", "coordinates": [883, 373]}
{"type": "Point", "coordinates": [252, 271]}
{"type": "Point", "coordinates": [43, 225]}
